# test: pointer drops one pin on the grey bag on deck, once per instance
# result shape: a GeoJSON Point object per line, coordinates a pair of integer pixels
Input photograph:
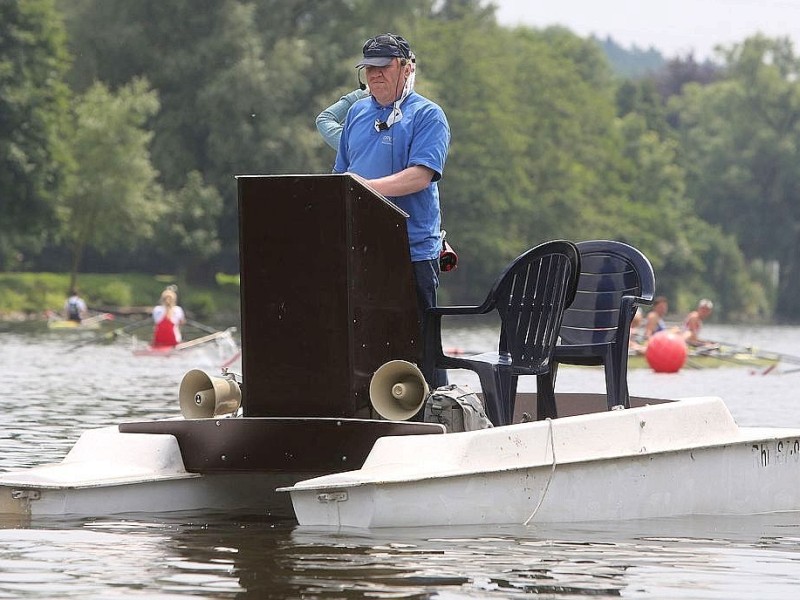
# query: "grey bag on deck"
{"type": "Point", "coordinates": [457, 408]}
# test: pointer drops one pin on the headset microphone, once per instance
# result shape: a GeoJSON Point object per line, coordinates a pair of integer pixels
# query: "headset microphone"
{"type": "Point", "coordinates": [361, 85]}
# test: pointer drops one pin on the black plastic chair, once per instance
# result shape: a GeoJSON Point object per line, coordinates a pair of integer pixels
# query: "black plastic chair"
{"type": "Point", "coordinates": [530, 297]}
{"type": "Point", "coordinates": [615, 279]}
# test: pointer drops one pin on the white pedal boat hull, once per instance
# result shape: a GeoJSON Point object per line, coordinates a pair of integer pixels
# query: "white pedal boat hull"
{"type": "Point", "coordinates": [109, 473]}
{"type": "Point", "coordinates": [679, 458]}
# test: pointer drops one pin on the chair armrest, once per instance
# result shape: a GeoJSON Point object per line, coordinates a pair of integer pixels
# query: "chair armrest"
{"type": "Point", "coordinates": [487, 306]}
{"type": "Point", "coordinates": [627, 309]}
{"type": "Point", "coordinates": [641, 300]}
{"type": "Point", "coordinates": [432, 332]}
{"type": "Point", "coordinates": [457, 310]}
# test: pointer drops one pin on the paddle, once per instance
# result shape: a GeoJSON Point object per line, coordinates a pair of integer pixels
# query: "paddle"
{"type": "Point", "coordinates": [97, 318]}
{"type": "Point", "coordinates": [721, 353]}
{"type": "Point", "coordinates": [203, 340]}
{"type": "Point", "coordinates": [113, 333]}
{"type": "Point", "coordinates": [692, 364]}
{"type": "Point", "coordinates": [764, 355]}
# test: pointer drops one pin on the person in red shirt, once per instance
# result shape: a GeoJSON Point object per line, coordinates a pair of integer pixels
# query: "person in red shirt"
{"type": "Point", "coordinates": [168, 318]}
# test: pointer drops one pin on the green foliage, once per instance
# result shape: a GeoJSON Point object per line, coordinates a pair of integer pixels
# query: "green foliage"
{"type": "Point", "coordinates": [32, 293]}
{"type": "Point", "coordinates": [547, 141]}
{"type": "Point", "coordinates": [36, 293]}
{"type": "Point", "coordinates": [12, 300]}
{"type": "Point", "coordinates": [186, 233]}
{"type": "Point", "coordinates": [633, 61]}
{"type": "Point", "coordinates": [33, 105]}
{"type": "Point", "coordinates": [740, 137]}
{"type": "Point", "coordinates": [201, 304]}
{"type": "Point", "coordinates": [113, 199]}
{"type": "Point", "coordinates": [113, 293]}
{"type": "Point", "coordinates": [225, 279]}
{"type": "Point", "coordinates": [681, 71]}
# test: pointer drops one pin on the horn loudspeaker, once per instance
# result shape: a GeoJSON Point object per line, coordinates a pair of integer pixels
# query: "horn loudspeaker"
{"type": "Point", "coordinates": [398, 390]}
{"type": "Point", "coordinates": [202, 396]}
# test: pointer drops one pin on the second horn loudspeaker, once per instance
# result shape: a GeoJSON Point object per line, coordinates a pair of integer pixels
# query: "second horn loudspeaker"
{"type": "Point", "coordinates": [202, 396]}
{"type": "Point", "coordinates": [398, 390]}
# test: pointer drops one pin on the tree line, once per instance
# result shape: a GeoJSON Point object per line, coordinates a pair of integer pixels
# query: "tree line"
{"type": "Point", "coordinates": [125, 123]}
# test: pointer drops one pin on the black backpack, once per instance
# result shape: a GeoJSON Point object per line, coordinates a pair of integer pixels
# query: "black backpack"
{"type": "Point", "coordinates": [73, 310]}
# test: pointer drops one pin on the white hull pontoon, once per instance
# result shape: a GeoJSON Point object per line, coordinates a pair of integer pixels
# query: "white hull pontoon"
{"type": "Point", "coordinates": [678, 458]}
{"type": "Point", "coordinates": [223, 464]}
{"type": "Point", "coordinates": [108, 472]}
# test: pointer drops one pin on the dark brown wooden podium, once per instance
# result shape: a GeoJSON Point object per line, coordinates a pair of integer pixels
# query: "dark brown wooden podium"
{"type": "Point", "coordinates": [327, 297]}
{"type": "Point", "coordinates": [327, 294]}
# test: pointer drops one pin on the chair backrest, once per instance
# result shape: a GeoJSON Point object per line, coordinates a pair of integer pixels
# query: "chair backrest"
{"type": "Point", "coordinates": [530, 297]}
{"type": "Point", "coordinates": [610, 271]}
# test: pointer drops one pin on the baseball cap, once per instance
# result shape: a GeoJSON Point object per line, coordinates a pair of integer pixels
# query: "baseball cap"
{"type": "Point", "coordinates": [383, 49]}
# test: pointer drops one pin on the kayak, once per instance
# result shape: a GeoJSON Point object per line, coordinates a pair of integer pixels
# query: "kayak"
{"type": "Point", "coordinates": [90, 323]}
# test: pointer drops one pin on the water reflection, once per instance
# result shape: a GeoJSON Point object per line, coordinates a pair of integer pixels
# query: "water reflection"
{"type": "Point", "coordinates": [601, 561]}
{"type": "Point", "coordinates": [224, 558]}
{"type": "Point", "coordinates": [219, 556]}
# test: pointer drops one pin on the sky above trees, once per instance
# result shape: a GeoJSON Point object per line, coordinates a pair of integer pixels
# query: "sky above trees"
{"type": "Point", "coordinates": [674, 28]}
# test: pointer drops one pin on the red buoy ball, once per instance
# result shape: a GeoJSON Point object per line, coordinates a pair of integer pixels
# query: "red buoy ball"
{"type": "Point", "coordinates": [666, 352]}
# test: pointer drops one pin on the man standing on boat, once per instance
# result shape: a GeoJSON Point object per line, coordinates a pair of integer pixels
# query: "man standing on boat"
{"type": "Point", "coordinates": [397, 141]}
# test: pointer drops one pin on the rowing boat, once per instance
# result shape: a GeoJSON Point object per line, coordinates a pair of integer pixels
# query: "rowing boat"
{"type": "Point", "coordinates": [696, 358]}
{"type": "Point", "coordinates": [715, 359]}
{"type": "Point", "coordinates": [221, 341]}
